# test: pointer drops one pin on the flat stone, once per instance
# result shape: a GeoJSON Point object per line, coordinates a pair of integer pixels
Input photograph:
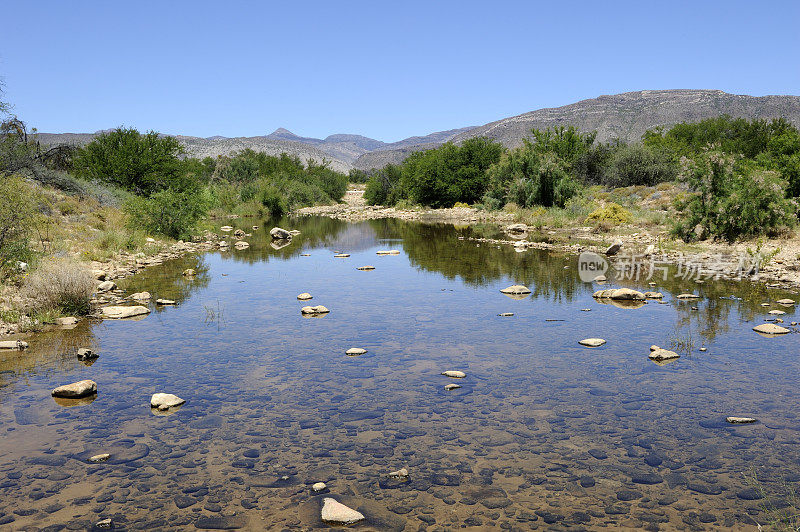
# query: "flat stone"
{"type": "Point", "coordinates": [687, 296]}
{"type": "Point", "coordinates": [305, 296]}
{"type": "Point", "coordinates": [164, 401]}
{"type": "Point", "coordinates": [592, 342]}
{"type": "Point", "coordinates": [341, 255]}
{"type": "Point", "coordinates": [355, 351]}
{"type": "Point", "coordinates": [121, 312]}
{"type": "Point", "coordinates": [452, 386]}
{"type": "Point", "coordinates": [653, 295]}
{"type": "Point", "coordinates": [365, 268]}
{"type": "Point", "coordinates": [337, 513]}
{"type": "Point", "coordinates": [454, 374]}
{"type": "Point", "coordinates": [506, 314]}
{"type": "Point", "coordinates": [228, 522]}
{"type": "Point", "coordinates": [13, 344]}
{"type": "Point", "coordinates": [389, 252]}
{"type": "Point", "coordinates": [658, 354]}
{"type": "Point", "coordinates": [75, 390]}
{"type": "Point", "coordinates": [770, 329]}
{"type": "Point", "coordinates": [67, 321]}
{"type": "Point", "coordinates": [786, 301]}
{"type": "Point", "coordinates": [140, 296]}
{"type": "Point", "coordinates": [740, 420]}
{"type": "Point", "coordinates": [226, 228]}
{"type": "Point", "coordinates": [99, 458]}
{"type": "Point", "coordinates": [620, 294]}
{"type": "Point", "coordinates": [319, 309]}
{"type": "Point", "coordinates": [165, 301]}
{"type": "Point", "coordinates": [777, 312]}
{"type": "Point", "coordinates": [516, 289]}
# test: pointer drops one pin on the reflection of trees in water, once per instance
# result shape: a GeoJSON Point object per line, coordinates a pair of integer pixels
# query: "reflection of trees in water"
{"type": "Point", "coordinates": [436, 247]}
{"type": "Point", "coordinates": [167, 280]}
{"type": "Point", "coordinates": [52, 351]}
{"type": "Point", "coordinates": [315, 231]}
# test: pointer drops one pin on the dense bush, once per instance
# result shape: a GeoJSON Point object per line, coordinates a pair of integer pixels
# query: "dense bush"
{"type": "Point", "coordinates": [18, 215]}
{"type": "Point", "coordinates": [637, 164]}
{"type": "Point", "coordinates": [443, 176]}
{"type": "Point", "coordinates": [173, 213]}
{"type": "Point", "coordinates": [610, 214]}
{"type": "Point", "coordinates": [383, 186]}
{"type": "Point", "coordinates": [731, 198]}
{"type": "Point", "coordinates": [140, 163]}
{"type": "Point", "coordinates": [59, 284]}
{"type": "Point", "coordinates": [529, 176]}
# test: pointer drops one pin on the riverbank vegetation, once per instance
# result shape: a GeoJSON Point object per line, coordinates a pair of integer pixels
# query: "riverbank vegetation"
{"type": "Point", "coordinates": [725, 178]}
{"type": "Point", "coordinates": [124, 193]}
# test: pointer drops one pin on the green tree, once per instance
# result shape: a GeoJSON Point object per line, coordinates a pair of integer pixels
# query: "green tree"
{"type": "Point", "coordinates": [141, 163]}
{"type": "Point", "coordinates": [448, 174]}
{"type": "Point", "coordinates": [637, 164]}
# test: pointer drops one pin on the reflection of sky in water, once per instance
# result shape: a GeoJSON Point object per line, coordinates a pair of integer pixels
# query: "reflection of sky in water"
{"type": "Point", "coordinates": [542, 432]}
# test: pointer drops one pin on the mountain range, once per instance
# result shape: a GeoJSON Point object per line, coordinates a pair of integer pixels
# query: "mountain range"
{"type": "Point", "coordinates": [624, 116]}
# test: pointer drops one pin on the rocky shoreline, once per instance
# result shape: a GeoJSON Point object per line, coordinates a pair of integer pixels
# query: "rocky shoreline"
{"type": "Point", "coordinates": [714, 259]}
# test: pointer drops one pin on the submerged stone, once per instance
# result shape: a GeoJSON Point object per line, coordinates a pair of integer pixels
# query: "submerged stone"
{"type": "Point", "coordinates": [592, 342]}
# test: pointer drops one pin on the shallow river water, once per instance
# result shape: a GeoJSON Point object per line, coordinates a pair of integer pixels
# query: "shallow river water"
{"type": "Point", "coordinates": [543, 434]}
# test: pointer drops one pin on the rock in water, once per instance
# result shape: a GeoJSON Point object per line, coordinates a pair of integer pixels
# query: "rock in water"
{"type": "Point", "coordinates": [75, 390]}
{"type": "Point", "coordinates": [785, 301]}
{"type": "Point", "coordinates": [280, 234]}
{"type": "Point", "coordinates": [319, 309]}
{"type": "Point", "coordinates": [165, 301]}
{"type": "Point", "coordinates": [738, 420]}
{"type": "Point", "coordinates": [99, 458]}
{"type": "Point", "coordinates": [355, 351]}
{"type": "Point", "coordinates": [13, 344]}
{"type": "Point", "coordinates": [452, 386]}
{"type": "Point", "coordinates": [770, 329]}
{"type": "Point", "coordinates": [592, 342]}
{"type": "Point", "coordinates": [241, 244]}
{"type": "Point", "coordinates": [118, 313]}
{"type": "Point", "coordinates": [516, 289]}
{"type": "Point", "coordinates": [454, 374]}
{"type": "Point", "coordinates": [658, 354]}
{"type": "Point", "coordinates": [337, 513]}
{"type": "Point", "coordinates": [389, 252]}
{"type": "Point", "coordinates": [305, 296]}
{"type": "Point", "coordinates": [87, 354]}
{"type": "Point", "coordinates": [517, 228]}
{"type": "Point", "coordinates": [165, 401]}
{"type": "Point", "coordinates": [365, 268]}
{"type": "Point", "coordinates": [318, 486]}
{"type": "Point", "coordinates": [614, 248]}
{"type": "Point", "coordinates": [341, 255]}
{"type": "Point", "coordinates": [776, 312]}
{"type": "Point", "coordinates": [67, 321]}
{"type": "Point", "coordinates": [140, 296]}
{"type": "Point", "coordinates": [226, 228]}
{"type": "Point", "coordinates": [189, 272]}
{"type": "Point", "coordinates": [687, 296]}
{"type": "Point", "coordinates": [399, 473]}
{"type": "Point", "coordinates": [653, 295]}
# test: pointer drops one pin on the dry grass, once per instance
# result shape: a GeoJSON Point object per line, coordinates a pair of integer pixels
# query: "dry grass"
{"type": "Point", "coordinates": [58, 284]}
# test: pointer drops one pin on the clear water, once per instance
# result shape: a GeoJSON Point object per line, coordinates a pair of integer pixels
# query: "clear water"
{"type": "Point", "coordinates": [543, 434]}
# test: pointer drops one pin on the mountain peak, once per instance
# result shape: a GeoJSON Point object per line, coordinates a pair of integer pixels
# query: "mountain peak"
{"type": "Point", "coordinates": [282, 133]}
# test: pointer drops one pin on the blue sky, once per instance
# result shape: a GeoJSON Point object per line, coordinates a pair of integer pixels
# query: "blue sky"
{"type": "Point", "coordinates": [381, 69]}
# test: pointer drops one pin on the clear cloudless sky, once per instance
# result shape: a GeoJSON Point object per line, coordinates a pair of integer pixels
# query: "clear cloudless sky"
{"type": "Point", "coordinates": [387, 70]}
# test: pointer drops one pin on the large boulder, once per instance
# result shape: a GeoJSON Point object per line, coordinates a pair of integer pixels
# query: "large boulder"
{"type": "Point", "coordinates": [75, 390]}
{"type": "Point", "coordinates": [105, 286]}
{"type": "Point", "coordinates": [280, 234]}
{"type": "Point", "coordinates": [118, 313]}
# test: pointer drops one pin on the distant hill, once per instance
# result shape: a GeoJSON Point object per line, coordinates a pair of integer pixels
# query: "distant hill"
{"type": "Point", "coordinates": [625, 116]}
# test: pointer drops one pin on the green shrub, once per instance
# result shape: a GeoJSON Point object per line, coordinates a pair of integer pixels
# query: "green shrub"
{"type": "Point", "coordinates": [167, 212]}
{"type": "Point", "coordinates": [59, 284]}
{"type": "Point", "coordinates": [731, 199]}
{"type": "Point", "coordinates": [610, 214]}
{"type": "Point", "coordinates": [442, 176]}
{"type": "Point", "coordinates": [18, 216]}
{"type": "Point", "coordinates": [383, 186]}
{"type": "Point", "coordinates": [528, 177]}
{"type": "Point", "coordinates": [140, 163]}
{"type": "Point", "coordinates": [637, 164]}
